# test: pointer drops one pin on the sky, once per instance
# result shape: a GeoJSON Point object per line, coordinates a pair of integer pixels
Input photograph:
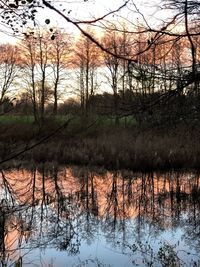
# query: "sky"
{"type": "Point", "coordinates": [73, 9]}
{"type": "Point", "coordinates": [83, 11]}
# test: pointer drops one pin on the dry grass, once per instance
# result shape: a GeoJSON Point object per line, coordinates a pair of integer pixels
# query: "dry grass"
{"type": "Point", "coordinates": [110, 147]}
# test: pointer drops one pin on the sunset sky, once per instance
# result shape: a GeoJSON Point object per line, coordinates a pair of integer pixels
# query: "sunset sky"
{"type": "Point", "coordinates": [84, 11]}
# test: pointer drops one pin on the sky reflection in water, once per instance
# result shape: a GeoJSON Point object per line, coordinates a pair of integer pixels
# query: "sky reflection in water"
{"type": "Point", "coordinates": [79, 217]}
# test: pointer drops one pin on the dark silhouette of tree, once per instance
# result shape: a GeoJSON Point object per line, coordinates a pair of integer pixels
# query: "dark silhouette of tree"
{"type": "Point", "coordinates": [86, 58]}
{"type": "Point", "coordinates": [9, 73]}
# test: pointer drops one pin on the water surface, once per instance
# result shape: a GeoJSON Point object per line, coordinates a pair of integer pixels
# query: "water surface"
{"type": "Point", "coordinates": [74, 216]}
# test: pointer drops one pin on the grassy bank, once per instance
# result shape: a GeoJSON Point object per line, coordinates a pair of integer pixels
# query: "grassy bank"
{"type": "Point", "coordinates": [100, 142]}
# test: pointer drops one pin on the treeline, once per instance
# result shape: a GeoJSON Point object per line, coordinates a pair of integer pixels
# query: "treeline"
{"type": "Point", "coordinates": [156, 109]}
{"type": "Point", "coordinates": [49, 73]}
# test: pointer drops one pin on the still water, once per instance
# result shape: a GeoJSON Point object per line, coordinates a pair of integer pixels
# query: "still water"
{"type": "Point", "coordinates": [70, 216]}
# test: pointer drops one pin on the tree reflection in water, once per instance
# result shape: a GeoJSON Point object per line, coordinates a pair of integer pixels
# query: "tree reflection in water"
{"type": "Point", "coordinates": [148, 219]}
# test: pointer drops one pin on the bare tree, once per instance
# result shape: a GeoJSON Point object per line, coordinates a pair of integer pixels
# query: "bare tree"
{"type": "Point", "coordinates": [87, 59]}
{"type": "Point", "coordinates": [9, 71]}
{"type": "Point", "coordinates": [36, 60]}
{"type": "Point", "coordinates": [43, 61]}
{"type": "Point", "coordinates": [60, 56]}
{"type": "Point", "coordinates": [112, 42]}
{"type": "Point", "coordinates": [29, 61]}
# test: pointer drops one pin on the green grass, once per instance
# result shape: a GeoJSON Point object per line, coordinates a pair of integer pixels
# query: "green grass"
{"type": "Point", "coordinates": [76, 120]}
{"type": "Point", "coordinates": [13, 119]}
{"type": "Point", "coordinates": [109, 120]}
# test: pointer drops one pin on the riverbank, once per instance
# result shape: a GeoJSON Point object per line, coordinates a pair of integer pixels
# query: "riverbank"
{"type": "Point", "coordinates": [112, 147]}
